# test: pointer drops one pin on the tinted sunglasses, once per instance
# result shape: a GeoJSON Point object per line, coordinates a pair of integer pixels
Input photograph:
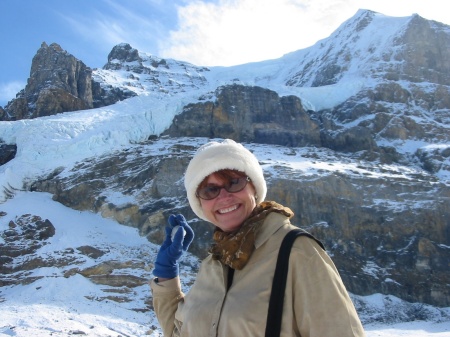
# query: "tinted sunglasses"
{"type": "Point", "coordinates": [211, 191]}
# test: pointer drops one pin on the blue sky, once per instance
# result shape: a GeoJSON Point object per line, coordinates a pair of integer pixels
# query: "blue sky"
{"type": "Point", "coordinates": [203, 32]}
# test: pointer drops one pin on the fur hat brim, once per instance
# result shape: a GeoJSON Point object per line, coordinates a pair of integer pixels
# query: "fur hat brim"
{"type": "Point", "coordinates": [215, 156]}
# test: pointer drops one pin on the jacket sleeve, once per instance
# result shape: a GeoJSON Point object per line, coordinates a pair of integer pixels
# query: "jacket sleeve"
{"type": "Point", "coordinates": [166, 297]}
{"type": "Point", "coordinates": [322, 305]}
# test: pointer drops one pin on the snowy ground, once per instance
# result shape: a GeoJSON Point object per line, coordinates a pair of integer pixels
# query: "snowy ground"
{"type": "Point", "coordinates": [59, 306]}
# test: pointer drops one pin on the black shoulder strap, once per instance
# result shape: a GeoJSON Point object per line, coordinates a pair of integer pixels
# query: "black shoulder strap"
{"type": "Point", "coordinates": [275, 313]}
{"type": "Point", "coordinates": [230, 277]}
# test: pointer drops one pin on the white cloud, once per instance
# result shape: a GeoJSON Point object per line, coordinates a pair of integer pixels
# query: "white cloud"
{"type": "Point", "coordinates": [230, 32]}
{"type": "Point", "coordinates": [116, 23]}
{"type": "Point", "coordinates": [233, 32]}
{"type": "Point", "coordinates": [110, 31]}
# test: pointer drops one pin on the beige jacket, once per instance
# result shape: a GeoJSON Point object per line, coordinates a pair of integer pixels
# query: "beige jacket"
{"type": "Point", "coordinates": [316, 303]}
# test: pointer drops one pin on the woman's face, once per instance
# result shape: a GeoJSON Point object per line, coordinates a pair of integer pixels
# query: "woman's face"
{"type": "Point", "coordinates": [228, 210]}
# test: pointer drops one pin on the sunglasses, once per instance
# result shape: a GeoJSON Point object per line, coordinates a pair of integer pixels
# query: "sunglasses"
{"type": "Point", "coordinates": [234, 185]}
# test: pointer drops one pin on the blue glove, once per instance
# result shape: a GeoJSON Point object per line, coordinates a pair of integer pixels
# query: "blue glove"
{"type": "Point", "coordinates": [166, 264]}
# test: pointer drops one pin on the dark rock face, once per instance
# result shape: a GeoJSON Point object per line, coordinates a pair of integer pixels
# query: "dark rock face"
{"type": "Point", "coordinates": [7, 152]}
{"type": "Point", "coordinates": [396, 250]}
{"type": "Point", "coordinates": [104, 95]}
{"type": "Point", "coordinates": [351, 140]}
{"type": "Point", "coordinates": [248, 114]}
{"type": "Point", "coordinates": [21, 240]}
{"type": "Point", "coordinates": [425, 44]}
{"type": "Point", "coordinates": [58, 82]}
{"type": "Point", "coordinates": [123, 53]}
{"type": "Point", "coordinates": [392, 113]}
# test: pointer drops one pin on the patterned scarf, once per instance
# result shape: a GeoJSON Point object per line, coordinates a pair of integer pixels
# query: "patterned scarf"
{"type": "Point", "coordinates": [235, 248]}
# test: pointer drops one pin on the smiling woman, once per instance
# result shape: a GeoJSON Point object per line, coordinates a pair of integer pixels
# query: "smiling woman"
{"type": "Point", "coordinates": [227, 199]}
{"type": "Point", "coordinates": [225, 185]}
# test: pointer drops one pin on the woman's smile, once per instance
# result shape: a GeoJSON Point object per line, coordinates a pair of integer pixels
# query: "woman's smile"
{"type": "Point", "coordinates": [228, 210]}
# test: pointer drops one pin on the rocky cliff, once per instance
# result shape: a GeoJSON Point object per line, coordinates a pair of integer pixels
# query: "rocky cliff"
{"type": "Point", "coordinates": [58, 82]}
{"type": "Point", "coordinates": [386, 228]}
{"type": "Point", "coordinates": [248, 114]}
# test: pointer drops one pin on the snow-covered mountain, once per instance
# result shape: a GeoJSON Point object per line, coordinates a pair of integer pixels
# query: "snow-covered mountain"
{"type": "Point", "coordinates": [380, 78]}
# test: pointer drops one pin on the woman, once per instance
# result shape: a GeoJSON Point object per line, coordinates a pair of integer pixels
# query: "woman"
{"type": "Point", "coordinates": [225, 186]}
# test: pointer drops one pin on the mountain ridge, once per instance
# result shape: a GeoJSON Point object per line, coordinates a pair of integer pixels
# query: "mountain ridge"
{"type": "Point", "coordinates": [269, 68]}
{"type": "Point", "coordinates": [374, 77]}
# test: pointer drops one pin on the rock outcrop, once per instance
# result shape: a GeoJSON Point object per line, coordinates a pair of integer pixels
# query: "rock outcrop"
{"type": "Point", "coordinates": [136, 72]}
{"type": "Point", "coordinates": [21, 259]}
{"type": "Point", "coordinates": [7, 152]}
{"type": "Point", "coordinates": [105, 94]}
{"type": "Point", "coordinates": [58, 82]}
{"type": "Point", "coordinates": [21, 240]}
{"type": "Point", "coordinates": [248, 114]}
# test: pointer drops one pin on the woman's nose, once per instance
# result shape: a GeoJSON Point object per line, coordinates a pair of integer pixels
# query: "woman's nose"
{"type": "Point", "coordinates": [223, 193]}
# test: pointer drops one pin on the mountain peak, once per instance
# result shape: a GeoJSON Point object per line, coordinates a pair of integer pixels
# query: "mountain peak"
{"type": "Point", "coordinates": [123, 52]}
{"type": "Point", "coordinates": [58, 82]}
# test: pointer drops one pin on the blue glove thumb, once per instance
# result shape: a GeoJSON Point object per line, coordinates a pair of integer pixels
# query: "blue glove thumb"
{"type": "Point", "coordinates": [166, 264]}
{"type": "Point", "coordinates": [179, 220]}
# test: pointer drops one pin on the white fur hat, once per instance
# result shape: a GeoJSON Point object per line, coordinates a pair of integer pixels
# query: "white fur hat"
{"type": "Point", "coordinates": [215, 156]}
